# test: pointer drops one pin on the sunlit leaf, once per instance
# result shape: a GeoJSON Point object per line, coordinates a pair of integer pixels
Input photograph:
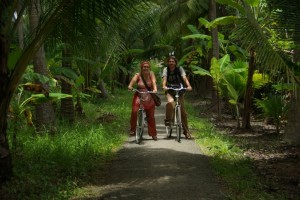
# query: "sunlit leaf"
{"type": "Point", "coordinates": [223, 21]}
{"type": "Point", "coordinates": [204, 22]}
{"type": "Point", "coordinates": [200, 71]}
{"type": "Point", "coordinates": [197, 36]}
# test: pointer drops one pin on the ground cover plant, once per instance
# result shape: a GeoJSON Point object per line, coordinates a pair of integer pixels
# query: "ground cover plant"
{"type": "Point", "coordinates": [56, 166]}
{"type": "Point", "coordinates": [251, 164]}
{"type": "Point", "coordinates": [52, 166]}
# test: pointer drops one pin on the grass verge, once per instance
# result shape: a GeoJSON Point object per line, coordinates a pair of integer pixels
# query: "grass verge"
{"type": "Point", "coordinates": [53, 166]}
{"type": "Point", "coordinates": [234, 169]}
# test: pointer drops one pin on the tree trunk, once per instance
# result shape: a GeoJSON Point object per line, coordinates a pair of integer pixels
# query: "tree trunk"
{"type": "Point", "coordinates": [67, 104]}
{"type": "Point", "coordinates": [44, 113]}
{"type": "Point", "coordinates": [101, 87]}
{"type": "Point", "coordinates": [249, 91]}
{"type": "Point", "coordinates": [5, 156]}
{"type": "Point", "coordinates": [20, 28]}
{"type": "Point", "coordinates": [293, 125]}
{"type": "Point", "coordinates": [292, 128]}
{"type": "Point", "coordinates": [5, 160]}
{"type": "Point", "coordinates": [9, 78]}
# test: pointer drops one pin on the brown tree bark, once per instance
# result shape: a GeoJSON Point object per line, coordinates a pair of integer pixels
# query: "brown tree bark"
{"type": "Point", "coordinates": [44, 113]}
{"type": "Point", "coordinates": [249, 91]}
{"type": "Point", "coordinates": [20, 28]}
{"type": "Point", "coordinates": [67, 105]}
{"type": "Point", "coordinates": [5, 96]}
{"type": "Point", "coordinates": [293, 125]}
{"type": "Point", "coordinates": [292, 128]}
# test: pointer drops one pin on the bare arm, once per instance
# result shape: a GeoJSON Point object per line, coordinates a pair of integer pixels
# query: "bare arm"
{"type": "Point", "coordinates": [187, 83]}
{"type": "Point", "coordinates": [153, 78]}
{"type": "Point", "coordinates": [133, 81]}
{"type": "Point", "coordinates": [164, 83]}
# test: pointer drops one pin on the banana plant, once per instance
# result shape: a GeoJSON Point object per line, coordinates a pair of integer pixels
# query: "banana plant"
{"type": "Point", "coordinates": [22, 105]}
{"type": "Point", "coordinates": [236, 78]}
{"type": "Point", "coordinates": [230, 80]}
{"type": "Point", "coordinates": [217, 70]}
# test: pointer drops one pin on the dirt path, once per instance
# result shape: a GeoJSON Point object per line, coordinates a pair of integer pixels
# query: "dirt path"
{"type": "Point", "coordinates": [163, 169]}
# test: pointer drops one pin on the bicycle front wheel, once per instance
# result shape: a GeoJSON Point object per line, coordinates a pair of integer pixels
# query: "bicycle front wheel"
{"type": "Point", "coordinates": [169, 131]}
{"type": "Point", "coordinates": [139, 127]}
{"type": "Point", "coordinates": [178, 123]}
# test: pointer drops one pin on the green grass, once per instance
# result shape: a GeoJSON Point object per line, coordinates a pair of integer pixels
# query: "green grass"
{"type": "Point", "coordinates": [52, 167]}
{"type": "Point", "coordinates": [55, 167]}
{"type": "Point", "coordinates": [234, 169]}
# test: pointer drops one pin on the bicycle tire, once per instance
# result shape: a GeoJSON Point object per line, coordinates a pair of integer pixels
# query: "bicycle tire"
{"type": "Point", "coordinates": [169, 131]}
{"type": "Point", "coordinates": [178, 123]}
{"type": "Point", "coordinates": [139, 127]}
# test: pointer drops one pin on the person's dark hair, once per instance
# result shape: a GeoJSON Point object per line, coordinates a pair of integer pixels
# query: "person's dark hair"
{"type": "Point", "coordinates": [173, 58]}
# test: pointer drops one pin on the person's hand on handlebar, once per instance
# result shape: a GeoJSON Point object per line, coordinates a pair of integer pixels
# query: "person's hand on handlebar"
{"type": "Point", "coordinates": [165, 88]}
{"type": "Point", "coordinates": [189, 88]}
{"type": "Point", "coordinates": [130, 87]}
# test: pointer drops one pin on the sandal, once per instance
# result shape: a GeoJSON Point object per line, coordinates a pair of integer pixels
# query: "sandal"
{"type": "Point", "coordinates": [132, 134]}
{"type": "Point", "coordinates": [154, 138]}
{"type": "Point", "coordinates": [167, 122]}
{"type": "Point", "coordinates": [187, 135]}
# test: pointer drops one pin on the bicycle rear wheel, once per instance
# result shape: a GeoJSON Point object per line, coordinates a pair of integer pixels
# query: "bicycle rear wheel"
{"type": "Point", "coordinates": [139, 127]}
{"type": "Point", "coordinates": [178, 123]}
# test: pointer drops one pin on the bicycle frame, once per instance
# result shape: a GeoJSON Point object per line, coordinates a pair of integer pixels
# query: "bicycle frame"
{"type": "Point", "coordinates": [141, 119]}
{"type": "Point", "coordinates": [177, 115]}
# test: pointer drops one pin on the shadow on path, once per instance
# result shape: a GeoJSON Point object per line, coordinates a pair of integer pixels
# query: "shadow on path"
{"type": "Point", "coordinates": [161, 170]}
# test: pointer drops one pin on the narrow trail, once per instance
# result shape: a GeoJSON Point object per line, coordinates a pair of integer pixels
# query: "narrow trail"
{"type": "Point", "coordinates": [160, 170]}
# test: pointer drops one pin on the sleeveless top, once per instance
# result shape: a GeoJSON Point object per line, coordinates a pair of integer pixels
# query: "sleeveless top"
{"type": "Point", "coordinates": [174, 78]}
{"type": "Point", "coordinates": [147, 99]}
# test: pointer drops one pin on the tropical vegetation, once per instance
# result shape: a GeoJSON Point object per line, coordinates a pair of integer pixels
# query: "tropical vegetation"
{"type": "Point", "coordinates": [57, 56]}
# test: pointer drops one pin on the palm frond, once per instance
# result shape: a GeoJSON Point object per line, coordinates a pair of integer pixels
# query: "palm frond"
{"type": "Point", "coordinates": [252, 36]}
{"type": "Point", "coordinates": [287, 17]}
{"type": "Point", "coordinates": [176, 15]}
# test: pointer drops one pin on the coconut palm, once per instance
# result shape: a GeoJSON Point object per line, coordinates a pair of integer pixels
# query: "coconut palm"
{"type": "Point", "coordinates": [55, 13]}
{"type": "Point", "coordinates": [44, 112]}
{"type": "Point", "coordinates": [252, 37]}
{"type": "Point", "coordinates": [286, 14]}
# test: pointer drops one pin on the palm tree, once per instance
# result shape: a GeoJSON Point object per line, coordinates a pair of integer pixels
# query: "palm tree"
{"type": "Point", "coordinates": [286, 13]}
{"type": "Point", "coordinates": [250, 34]}
{"type": "Point", "coordinates": [44, 112]}
{"type": "Point", "coordinates": [67, 105]}
{"type": "Point", "coordinates": [10, 74]}
{"type": "Point", "coordinates": [252, 37]}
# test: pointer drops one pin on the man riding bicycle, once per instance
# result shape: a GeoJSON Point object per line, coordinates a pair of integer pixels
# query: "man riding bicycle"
{"type": "Point", "coordinates": [174, 76]}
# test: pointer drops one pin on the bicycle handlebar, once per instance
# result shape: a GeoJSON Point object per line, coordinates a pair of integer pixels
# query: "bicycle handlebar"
{"type": "Point", "coordinates": [142, 92]}
{"type": "Point", "coordinates": [176, 89]}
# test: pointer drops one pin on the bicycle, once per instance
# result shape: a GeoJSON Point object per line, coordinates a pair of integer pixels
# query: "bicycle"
{"type": "Point", "coordinates": [141, 118]}
{"type": "Point", "coordinates": [177, 123]}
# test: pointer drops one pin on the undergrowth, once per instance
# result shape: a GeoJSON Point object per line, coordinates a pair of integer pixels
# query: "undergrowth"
{"type": "Point", "coordinates": [53, 166]}
{"type": "Point", "coordinates": [234, 169]}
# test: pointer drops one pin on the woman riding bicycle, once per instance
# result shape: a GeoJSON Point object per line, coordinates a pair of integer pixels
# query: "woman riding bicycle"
{"type": "Point", "coordinates": [174, 76]}
{"type": "Point", "coordinates": [148, 102]}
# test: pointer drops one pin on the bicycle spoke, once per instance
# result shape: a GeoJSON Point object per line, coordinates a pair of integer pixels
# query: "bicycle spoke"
{"type": "Point", "coordinates": [139, 127]}
{"type": "Point", "coordinates": [178, 123]}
